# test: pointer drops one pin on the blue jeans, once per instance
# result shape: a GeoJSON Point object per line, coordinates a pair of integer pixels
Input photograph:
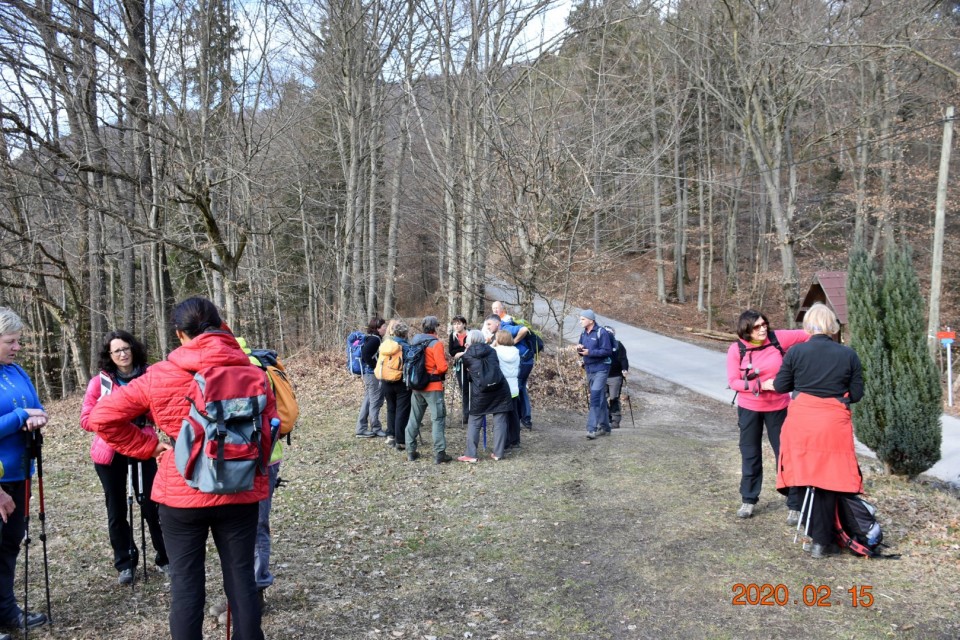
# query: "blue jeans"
{"type": "Point", "coordinates": [599, 417]}
{"type": "Point", "coordinates": [419, 401]}
{"type": "Point", "coordinates": [261, 554]}
{"type": "Point", "coordinates": [525, 412]}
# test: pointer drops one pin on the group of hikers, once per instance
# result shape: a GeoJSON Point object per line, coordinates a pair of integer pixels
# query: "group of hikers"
{"type": "Point", "coordinates": [491, 366]}
{"type": "Point", "coordinates": [214, 472]}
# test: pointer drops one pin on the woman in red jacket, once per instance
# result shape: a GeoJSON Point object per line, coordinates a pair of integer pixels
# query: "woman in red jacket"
{"type": "Point", "coordinates": [122, 359]}
{"type": "Point", "coordinates": [752, 364]}
{"type": "Point", "coordinates": [188, 514]}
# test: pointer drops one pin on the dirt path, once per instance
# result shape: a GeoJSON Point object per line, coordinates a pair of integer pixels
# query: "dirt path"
{"type": "Point", "coordinates": [629, 536]}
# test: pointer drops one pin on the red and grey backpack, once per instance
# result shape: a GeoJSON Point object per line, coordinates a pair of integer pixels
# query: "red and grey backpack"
{"type": "Point", "coordinates": [224, 442]}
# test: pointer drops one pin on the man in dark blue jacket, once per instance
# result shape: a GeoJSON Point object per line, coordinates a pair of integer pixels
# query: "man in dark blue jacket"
{"type": "Point", "coordinates": [596, 348]}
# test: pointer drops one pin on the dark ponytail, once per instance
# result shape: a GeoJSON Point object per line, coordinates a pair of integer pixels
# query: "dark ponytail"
{"type": "Point", "coordinates": [196, 315]}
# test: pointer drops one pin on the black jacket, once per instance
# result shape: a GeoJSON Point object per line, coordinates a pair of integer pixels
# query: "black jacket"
{"type": "Point", "coordinates": [821, 368]}
{"type": "Point", "coordinates": [483, 402]}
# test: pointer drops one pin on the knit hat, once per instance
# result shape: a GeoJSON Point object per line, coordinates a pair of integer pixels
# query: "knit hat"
{"type": "Point", "coordinates": [589, 315]}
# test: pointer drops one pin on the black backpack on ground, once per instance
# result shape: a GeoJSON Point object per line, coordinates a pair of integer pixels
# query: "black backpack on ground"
{"type": "Point", "coordinates": [857, 528]}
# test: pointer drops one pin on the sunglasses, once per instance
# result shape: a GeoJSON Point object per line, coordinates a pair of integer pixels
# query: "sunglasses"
{"type": "Point", "coordinates": [762, 325]}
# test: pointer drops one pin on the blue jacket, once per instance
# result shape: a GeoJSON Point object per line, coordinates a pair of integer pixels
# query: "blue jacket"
{"type": "Point", "coordinates": [600, 343]}
{"type": "Point", "coordinates": [17, 393]}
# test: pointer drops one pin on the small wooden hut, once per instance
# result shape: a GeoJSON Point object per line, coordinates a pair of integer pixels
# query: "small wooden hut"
{"type": "Point", "coordinates": [830, 288]}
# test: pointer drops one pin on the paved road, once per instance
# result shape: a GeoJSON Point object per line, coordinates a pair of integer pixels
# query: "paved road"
{"type": "Point", "coordinates": [701, 370]}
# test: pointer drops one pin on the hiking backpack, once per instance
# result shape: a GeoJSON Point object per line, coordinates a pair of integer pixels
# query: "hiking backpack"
{"type": "Point", "coordinates": [489, 377]}
{"type": "Point", "coordinates": [535, 345]}
{"type": "Point", "coordinates": [389, 366]}
{"type": "Point", "coordinates": [415, 366]}
{"type": "Point", "coordinates": [856, 526]}
{"type": "Point", "coordinates": [222, 445]}
{"type": "Point", "coordinates": [354, 346]}
{"type": "Point", "coordinates": [288, 409]}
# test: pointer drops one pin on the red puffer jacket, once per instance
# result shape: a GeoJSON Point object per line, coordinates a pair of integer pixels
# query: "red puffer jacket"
{"type": "Point", "coordinates": [162, 390]}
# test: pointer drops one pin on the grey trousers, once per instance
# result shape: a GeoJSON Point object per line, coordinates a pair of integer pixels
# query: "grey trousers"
{"type": "Point", "coordinates": [369, 418]}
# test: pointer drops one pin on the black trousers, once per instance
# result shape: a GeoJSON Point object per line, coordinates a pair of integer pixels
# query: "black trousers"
{"type": "Point", "coordinates": [397, 397]}
{"type": "Point", "coordinates": [822, 524]}
{"type": "Point", "coordinates": [513, 424]}
{"type": "Point", "coordinates": [10, 538]}
{"type": "Point", "coordinates": [113, 478]}
{"type": "Point", "coordinates": [234, 528]}
{"type": "Point", "coordinates": [751, 425]}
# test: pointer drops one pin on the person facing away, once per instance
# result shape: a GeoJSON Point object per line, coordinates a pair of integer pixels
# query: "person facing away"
{"type": "Point", "coordinates": [478, 359]}
{"type": "Point", "coordinates": [368, 421]}
{"type": "Point", "coordinates": [596, 348]}
{"type": "Point", "coordinates": [619, 365]}
{"type": "Point", "coordinates": [431, 396]}
{"type": "Point", "coordinates": [189, 515]}
{"type": "Point", "coordinates": [395, 392]}
{"type": "Point", "coordinates": [816, 444]}
{"type": "Point", "coordinates": [123, 358]}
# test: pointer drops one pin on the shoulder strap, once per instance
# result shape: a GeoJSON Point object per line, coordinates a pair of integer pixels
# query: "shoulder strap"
{"type": "Point", "coordinates": [772, 337]}
{"type": "Point", "coordinates": [106, 384]}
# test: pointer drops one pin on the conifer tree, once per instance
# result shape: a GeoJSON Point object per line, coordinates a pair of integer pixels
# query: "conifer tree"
{"type": "Point", "coordinates": [867, 339]}
{"type": "Point", "coordinates": [912, 435]}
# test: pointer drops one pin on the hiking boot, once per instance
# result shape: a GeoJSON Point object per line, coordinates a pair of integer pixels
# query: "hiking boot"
{"type": "Point", "coordinates": [442, 457]}
{"type": "Point", "coordinates": [391, 441]}
{"type": "Point", "coordinates": [413, 456]}
{"type": "Point", "coordinates": [793, 518]}
{"type": "Point", "coordinates": [745, 510]}
{"type": "Point", "coordinates": [125, 577]}
{"type": "Point", "coordinates": [591, 435]}
{"type": "Point", "coordinates": [366, 434]}
{"type": "Point", "coordinates": [400, 446]}
{"type": "Point", "coordinates": [821, 550]}
{"type": "Point", "coordinates": [528, 426]}
{"type": "Point", "coordinates": [603, 432]}
{"type": "Point", "coordinates": [494, 457]}
{"type": "Point", "coordinates": [467, 459]}
{"type": "Point", "coordinates": [380, 433]}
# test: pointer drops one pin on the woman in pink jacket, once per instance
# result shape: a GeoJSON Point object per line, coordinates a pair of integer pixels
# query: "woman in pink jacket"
{"type": "Point", "coordinates": [122, 359]}
{"type": "Point", "coordinates": [752, 363]}
{"type": "Point", "coordinates": [190, 515]}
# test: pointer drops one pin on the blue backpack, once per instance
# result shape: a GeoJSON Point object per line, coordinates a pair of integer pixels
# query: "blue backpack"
{"type": "Point", "coordinates": [354, 345]}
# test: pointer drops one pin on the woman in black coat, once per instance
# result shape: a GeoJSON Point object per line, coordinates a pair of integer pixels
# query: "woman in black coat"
{"type": "Point", "coordinates": [486, 396]}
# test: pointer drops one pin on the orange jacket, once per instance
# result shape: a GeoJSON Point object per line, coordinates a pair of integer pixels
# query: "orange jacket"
{"type": "Point", "coordinates": [162, 390]}
{"type": "Point", "coordinates": [816, 447]}
{"type": "Point", "coordinates": [436, 360]}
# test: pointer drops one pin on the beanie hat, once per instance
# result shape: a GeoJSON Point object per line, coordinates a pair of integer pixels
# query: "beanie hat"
{"type": "Point", "coordinates": [589, 315]}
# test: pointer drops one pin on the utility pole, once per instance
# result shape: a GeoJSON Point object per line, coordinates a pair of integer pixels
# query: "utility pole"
{"type": "Point", "coordinates": [936, 268]}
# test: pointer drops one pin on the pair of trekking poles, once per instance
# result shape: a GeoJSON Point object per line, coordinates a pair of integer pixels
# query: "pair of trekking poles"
{"type": "Point", "coordinates": [136, 494]}
{"type": "Point", "coordinates": [34, 452]}
{"type": "Point", "coordinates": [623, 393]}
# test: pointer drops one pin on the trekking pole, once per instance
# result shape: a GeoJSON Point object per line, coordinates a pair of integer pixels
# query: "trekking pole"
{"type": "Point", "coordinates": [813, 493]}
{"type": "Point", "coordinates": [38, 453]}
{"type": "Point", "coordinates": [26, 546]}
{"type": "Point", "coordinates": [133, 544]}
{"type": "Point", "coordinates": [803, 510]}
{"type": "Point", "coordinates": [629, 402]}
{"type": "Point", "coordinates": [143, 528]}
{"type": "Point", "coordinates": [228, 620]}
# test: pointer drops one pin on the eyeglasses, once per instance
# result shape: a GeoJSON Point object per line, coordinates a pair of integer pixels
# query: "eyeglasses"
{"type": "Point", "coordinates": [121, 351]}
{"type": "Point", "coordinates": [762, 325]}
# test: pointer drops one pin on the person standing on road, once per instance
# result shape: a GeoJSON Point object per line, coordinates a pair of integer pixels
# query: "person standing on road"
{"type": "Point", "coordinates": [619, 365]}
{"type": "Point", "coordinates": [817, 442]}
{"type": "Point", "coordinates": [430, 396]}
{"type": "Point", "coordinates": [368, 422]}
{"type": "Point", "coordinates": [752, 364]}
{"type": "Point", "coordinates": [596, 348]}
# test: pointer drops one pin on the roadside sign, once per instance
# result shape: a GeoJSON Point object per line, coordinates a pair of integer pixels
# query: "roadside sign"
{"type": "Point", "coordinates": [946, 335]}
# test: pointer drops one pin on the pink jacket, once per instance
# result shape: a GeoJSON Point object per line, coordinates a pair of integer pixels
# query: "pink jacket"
{"type": "Point", "coordinates": [766, 361]}
{"type": "Point", "coordinates": [100, 451]}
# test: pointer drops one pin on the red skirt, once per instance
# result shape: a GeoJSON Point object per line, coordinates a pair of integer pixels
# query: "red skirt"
{"type": "Point", "coordinates": [816, 446]}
